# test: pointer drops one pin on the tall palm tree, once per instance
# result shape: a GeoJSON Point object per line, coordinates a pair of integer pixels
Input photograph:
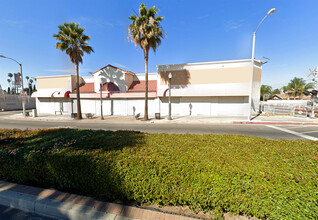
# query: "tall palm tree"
{"type": "Point", "coordinates": [30, 86]}
{"type": "Point", "coordinates": [9, 88]}
{"type": "Point", "coordinates": [298, 86]}
{"type": "Point", "coordinates": [265, 91]}
{"type": "Point", "coordinates": [10, 75]}
{"type": "Point", "coordinates": [71, 39]}
{"type": "Point", "coordinates": [146, 32]}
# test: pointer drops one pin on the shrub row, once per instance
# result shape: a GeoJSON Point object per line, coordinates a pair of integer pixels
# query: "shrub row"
{"type": "Point", "coordinates": [258, 177]}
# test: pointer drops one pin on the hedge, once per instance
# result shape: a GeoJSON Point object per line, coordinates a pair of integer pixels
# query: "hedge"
{"type": "Point", "coordinates": [274, 179]}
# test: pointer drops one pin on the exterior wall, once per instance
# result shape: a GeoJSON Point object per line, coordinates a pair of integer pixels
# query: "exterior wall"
{"type": "Point", "coordinates": [53, 106]}
{"type": "Point", "coordinates": [141, 76]}
{"type": "Point", "coordinates": [129, 80]}
{"type": "Point", "coordinates": [120, 107]}
{"type": "Point", "coordinates": [207, 76]}
{"type": "Point", "coordinates": [88, 79]}
{"type": "Point", "coordinates": [110, 74]}
{"type": "Point", "coordinates": [225, 85]}
{"type": "Point", "coordinates": [50, 84]}
{"type": "Point", "coordinates": [58, 82]}
{"type": "Point", "coordinates": [226, 78]}
{"type": "Point", "coordinates": [256, 90]}
{"type": "Point", "coordinates": [205, 106]}
{"type": "Point", "coordinates": [14, 102]}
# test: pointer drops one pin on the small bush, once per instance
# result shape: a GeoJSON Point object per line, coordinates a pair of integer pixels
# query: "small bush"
{"type": "Point", "coordinates": [258, 177]}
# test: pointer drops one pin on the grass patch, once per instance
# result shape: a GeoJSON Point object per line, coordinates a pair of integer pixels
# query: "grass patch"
{"type": "Point", "coordinates": [252, 176]}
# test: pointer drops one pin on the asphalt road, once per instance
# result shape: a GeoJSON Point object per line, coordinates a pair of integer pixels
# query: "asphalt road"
{"type": "Point", "coordinates": [7, 213]}
{"type": "Point", "coordinates": [308, 132]}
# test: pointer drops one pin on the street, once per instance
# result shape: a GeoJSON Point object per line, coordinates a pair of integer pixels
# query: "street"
{"type": "Point", "coordinates": [7, 213]}
{"type": "Point", "coordinates": [303, 132]}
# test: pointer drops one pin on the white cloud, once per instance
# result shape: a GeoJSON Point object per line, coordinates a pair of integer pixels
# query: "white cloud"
{"type": "Point", "coordinates": [96, 21]}
{"type": "Point", "coordinates": [121, 66]}
{"type": "Point", "coordinates": [232, 25]}
{"type": "Point", "coordinates": [15, 23]}
{"type": "Point", "coordinates": [203, 16]}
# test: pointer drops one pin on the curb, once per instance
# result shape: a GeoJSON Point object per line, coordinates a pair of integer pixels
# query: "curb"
{"type": "Point", "coordinates": [56, 204]}
{"type": "Point", "coordinates": [274, 123]}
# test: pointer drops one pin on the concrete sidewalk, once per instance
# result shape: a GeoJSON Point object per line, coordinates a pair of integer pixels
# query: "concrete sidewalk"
{"type": "Point", "coordinates": [56, 204]}
{"type": "Point", "coordinates": [284, 120]}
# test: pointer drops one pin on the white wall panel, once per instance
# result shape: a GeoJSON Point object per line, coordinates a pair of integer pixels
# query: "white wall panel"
{"type": "Point", "coordinates": [208, 106]}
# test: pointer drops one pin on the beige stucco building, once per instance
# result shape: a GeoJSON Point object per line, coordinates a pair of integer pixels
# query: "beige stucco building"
{"type": "Point", "coordinates": [211, 88]}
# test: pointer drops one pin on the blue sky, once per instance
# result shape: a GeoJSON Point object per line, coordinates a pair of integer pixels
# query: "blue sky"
{"type": "Point", "coordinates": [196, 31]}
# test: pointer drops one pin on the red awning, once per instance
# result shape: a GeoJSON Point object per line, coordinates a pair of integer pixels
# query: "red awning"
{"type": "Point", "coordinates": [61, 94]}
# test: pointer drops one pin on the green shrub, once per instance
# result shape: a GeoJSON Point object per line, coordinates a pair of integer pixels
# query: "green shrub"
{"type": "Point", "coordinates": [264, 178]}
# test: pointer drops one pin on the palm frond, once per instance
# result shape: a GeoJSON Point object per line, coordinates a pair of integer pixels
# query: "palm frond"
{"type": "Point", "coordinates": [71, 38]}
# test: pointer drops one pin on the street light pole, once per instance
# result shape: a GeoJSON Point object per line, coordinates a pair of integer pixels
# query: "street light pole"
{"type": "Point", "coordinates": [252, 62]}
{"type": "Point", "coordinates": [23, 103]}
{"type": "Point", "coordinates": [169, 76]}
{"type": "Point", "coordinates": [101, 100]}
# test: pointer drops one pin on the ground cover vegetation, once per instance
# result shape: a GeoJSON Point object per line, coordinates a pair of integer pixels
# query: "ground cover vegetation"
{"type": "Point", "coordinates": [275, 179]}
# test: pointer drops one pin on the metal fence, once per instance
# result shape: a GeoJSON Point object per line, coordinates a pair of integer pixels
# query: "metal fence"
{"type": "Point", "coordinates": [297, 110]}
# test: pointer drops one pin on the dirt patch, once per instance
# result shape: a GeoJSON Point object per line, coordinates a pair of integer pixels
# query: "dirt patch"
{"type": "Point", "coordinates": [186, 211]}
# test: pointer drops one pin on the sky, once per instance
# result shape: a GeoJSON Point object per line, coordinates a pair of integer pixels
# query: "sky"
{"type": "Point", "coordinates": [195, 31]}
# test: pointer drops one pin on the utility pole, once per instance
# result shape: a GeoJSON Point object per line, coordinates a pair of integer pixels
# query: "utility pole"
{"type": "Point", "coordinates": [314, 73]}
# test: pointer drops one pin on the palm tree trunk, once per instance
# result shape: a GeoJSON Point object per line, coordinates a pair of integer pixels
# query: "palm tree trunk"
{"type": "Point", "coordinates": [79, 111]}
{"type": "Point", "coordinates": [146, 84]}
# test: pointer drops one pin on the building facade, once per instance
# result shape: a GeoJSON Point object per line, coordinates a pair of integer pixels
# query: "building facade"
{"type": "Point", "coordinates": [210, 89]}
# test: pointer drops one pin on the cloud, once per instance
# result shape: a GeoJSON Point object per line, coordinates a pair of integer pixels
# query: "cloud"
{"type": "Point", "coordinates": [15, 23]}
{"type": "Point", "coordinates": [120, 65]}
{"type": "Point", "coordinates": [233, 25]}
{"type": "Point", "coordinates": [203, 16]}
{"type": "Point", "coordinates": [95, 21]}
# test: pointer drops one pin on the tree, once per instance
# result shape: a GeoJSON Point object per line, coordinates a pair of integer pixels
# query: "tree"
{"type": "Point", "coordinates": [146, 32]}
{"type": "Point", "coordinates": [10, 75]}
{"type": "Point", "coordinates": [275, 91]}
{"type": "Point", "coordinates": [265, 91]}
{"type": "Point", "coordinates": [9, 88]}
{"type": "Point", "coordinates": [30, 86]}
{"type": "Point", "coordinates": [298, 85]}
{"type": "Point", "coordinates": [71, 39]}
{"type": "Point", "coordinates": [287, 90]}
{"type": "Point", "coordinates": [28, 83]}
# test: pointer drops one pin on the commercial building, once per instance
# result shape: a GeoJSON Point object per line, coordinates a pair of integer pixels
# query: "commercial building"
{"type": "Point", "coordinates": [211, 89]}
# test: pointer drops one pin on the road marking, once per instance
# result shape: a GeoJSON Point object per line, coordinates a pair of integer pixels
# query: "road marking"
{"type": "Point", "coordinates": [294, 133]}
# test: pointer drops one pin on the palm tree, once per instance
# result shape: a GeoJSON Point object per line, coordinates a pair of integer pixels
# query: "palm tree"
{"type": "Point", "coordinates": [298, 86]}
{"type": "Point", "coordinates": [146, 32]}
{"type": "Point", "coordinates": [71, 39]}
{"type": "Point", "coordinates": [9, 88]}
{"type": "Point", "coordinates": [265, 91]}
{"type": "Point", "coordinates": [10, 75]}
{"type": "Point", "coordinates": [287, 90]}
{"type": "Point", "coordinates": [30, 85]}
